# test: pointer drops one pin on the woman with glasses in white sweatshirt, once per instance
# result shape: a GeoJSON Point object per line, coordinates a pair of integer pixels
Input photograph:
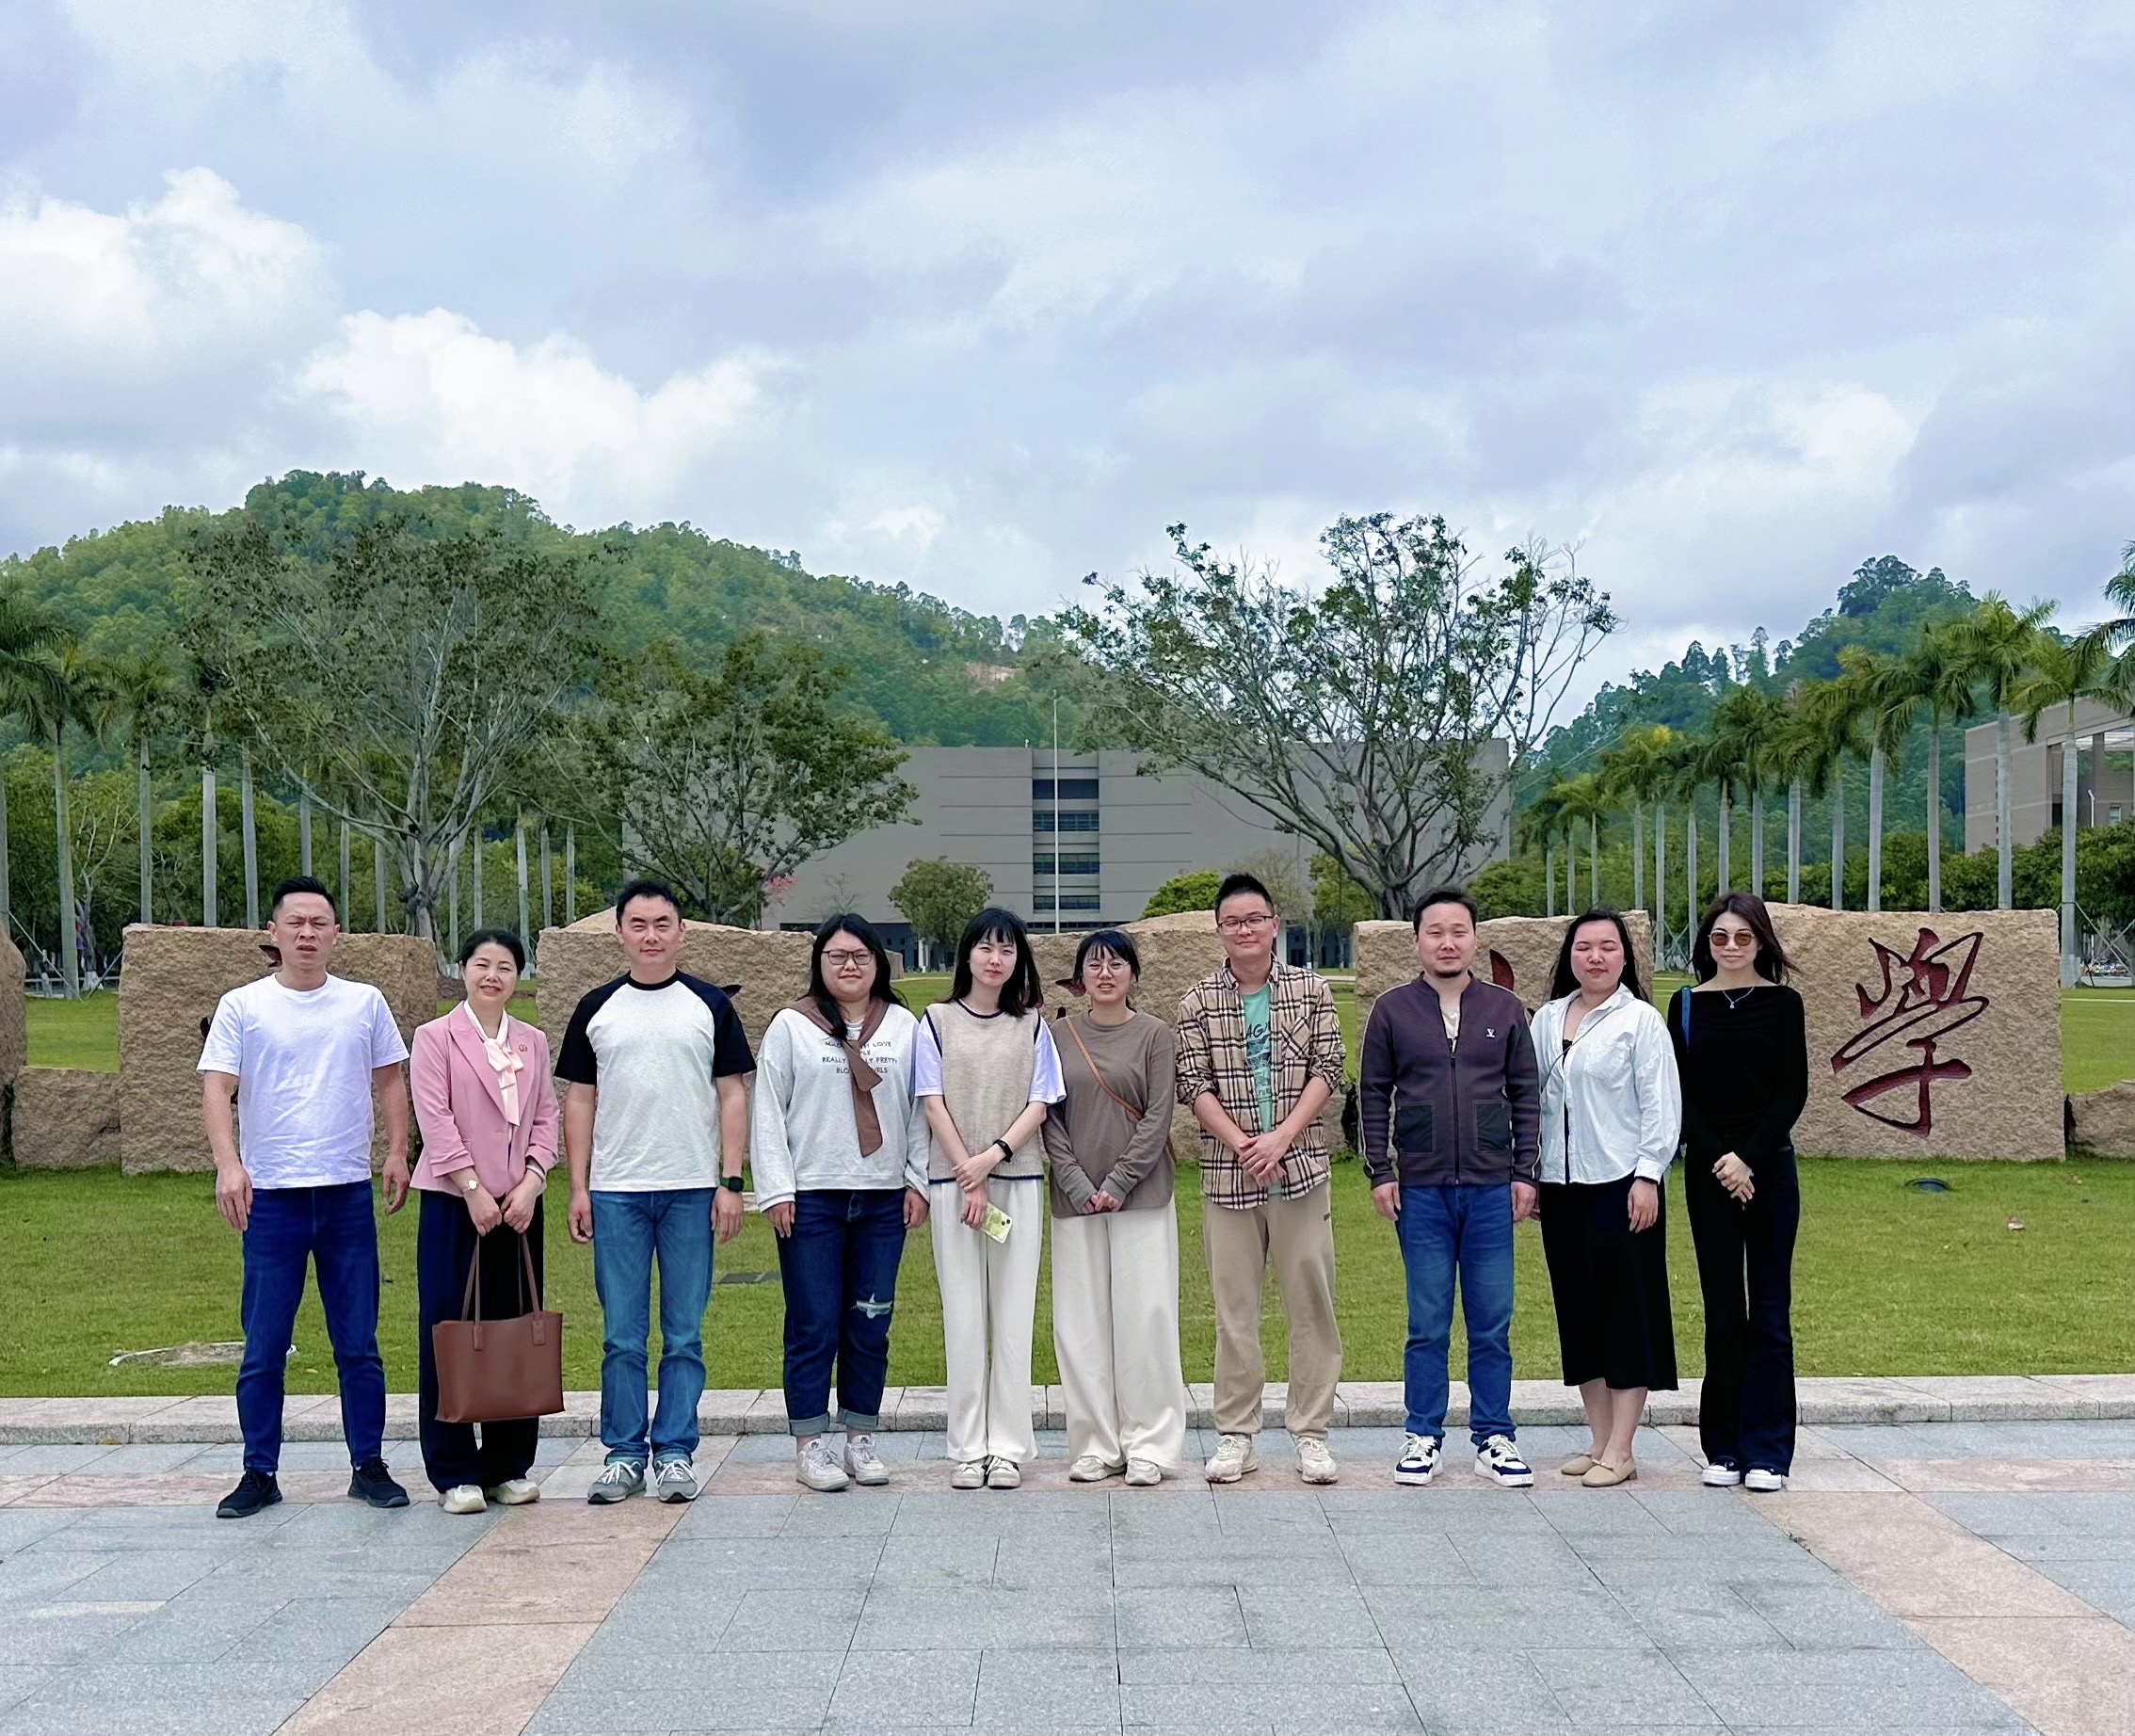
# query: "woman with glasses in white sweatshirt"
{"type": "Point", "coordinates": [1611, 1112]}
{"type": "Point", "coordinates": [839, 1146]}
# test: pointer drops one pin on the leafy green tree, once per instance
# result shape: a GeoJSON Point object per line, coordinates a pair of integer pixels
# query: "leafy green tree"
{"type": "Point", "coordinates": [1509, 888]}
{"type": "Point", "coordinates": [31, 639]}
{"type": "Point", "coordinates": [1193, 891]}
{"type": "Point", "coordinates": [939, 898]}
{"type": "Point", "coordinates": [1337, 901]}
{"type": "Point", "coordinates": [1368, 716]}
{"type": "Point", "coordinates": [1996, 645]}
{"type": "Point", "coordinates": [2064, 672]}
{"type": "Point", "coordinates": [730, 778]}
{"type": "Point", "coordinates": [398, 678]}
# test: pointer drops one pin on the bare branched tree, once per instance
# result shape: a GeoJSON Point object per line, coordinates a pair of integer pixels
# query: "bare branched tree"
{"type": "Point", "coordinates": [1367, 717]}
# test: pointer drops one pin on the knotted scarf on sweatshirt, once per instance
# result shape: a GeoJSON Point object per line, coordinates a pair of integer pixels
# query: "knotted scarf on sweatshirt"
{"type": "Point", "coordinates": [864, 1078]}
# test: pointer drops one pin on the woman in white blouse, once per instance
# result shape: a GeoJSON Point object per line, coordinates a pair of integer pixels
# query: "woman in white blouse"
{"type": "Point", "coordinates": [1611, 1112]}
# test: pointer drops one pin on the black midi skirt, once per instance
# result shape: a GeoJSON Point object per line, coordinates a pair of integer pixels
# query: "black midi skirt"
{"type": "Point", "coordinates": [1611, 1287]}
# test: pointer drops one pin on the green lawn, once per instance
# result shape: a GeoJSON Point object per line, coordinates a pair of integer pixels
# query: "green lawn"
{"type": "Point", "coordinates": [1890, 1281]}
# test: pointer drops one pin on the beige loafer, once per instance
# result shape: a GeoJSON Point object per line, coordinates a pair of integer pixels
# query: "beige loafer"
{"type": "Point", "coordinates": [1605, 1475]}
{"type": "Point", "coordinates": [1577, 1466]}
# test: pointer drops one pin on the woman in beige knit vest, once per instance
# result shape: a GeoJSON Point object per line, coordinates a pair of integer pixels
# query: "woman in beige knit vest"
{"type": "Point", "coordinates": [985, 1067]}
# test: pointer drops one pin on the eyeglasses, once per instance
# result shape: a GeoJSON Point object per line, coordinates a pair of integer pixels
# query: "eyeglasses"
{"type": "Point", "coordinates": [1105, 967]}
{"type": "Point", "coordinates": [847, 961]}
{"type": "Point", "coordinates": [1244, 925]}
{"type": "Point", "coordinates": [1728, 943]}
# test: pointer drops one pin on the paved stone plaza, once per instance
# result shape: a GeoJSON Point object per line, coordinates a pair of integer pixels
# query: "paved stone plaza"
{"type": "Point", "coordinates": [1941, 1577]}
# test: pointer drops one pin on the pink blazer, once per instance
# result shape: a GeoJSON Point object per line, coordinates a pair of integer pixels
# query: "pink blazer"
{"type": "Point", "coordinates": [460, 1109]}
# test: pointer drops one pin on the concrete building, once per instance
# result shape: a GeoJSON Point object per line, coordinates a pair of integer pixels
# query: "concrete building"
{"type": "Point", "coordinates": [2105, 774]}
{"type": "Point", "coordinates": [1084, 843]}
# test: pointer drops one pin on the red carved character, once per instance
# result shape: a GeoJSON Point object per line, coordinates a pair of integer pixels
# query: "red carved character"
{"type": "Point", "coordinates": [1922, 1001]}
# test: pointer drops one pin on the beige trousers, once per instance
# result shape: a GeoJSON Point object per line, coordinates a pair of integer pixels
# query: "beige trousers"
{"type": "Point", "coordinates": [1296, 1237]}
{"type": "Point", "coordinates": [988, 1294]}
{"type": "Point", "coordinates": [1116, 1333]}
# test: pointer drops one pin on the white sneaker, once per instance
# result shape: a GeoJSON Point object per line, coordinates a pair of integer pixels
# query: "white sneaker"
{"type": "Point", "coordinates": [1091, 1469]}
{"type": "Point", "coordinates": [515, 1492]}
{"type": "Point", "coordinates": [863, 1464]}
{"type": "Point", "coordinates": [463, 1498]}
{"type": "Point", "coordinates": [1234, 1458]}
{"type": "Point", "coordinates": [1315, 1464]}
{"type": "Point", "coordinates": [1418, 1460]}
{"type": "Point", "coordinates": [1003, 1473]}
{"type": "Point", "coordinates": [970, 1474]}
{"type": "Point", "coordinates": [1764, 1481]}
{"type": "Point", "coordinates": [1143, 1473]}
{"type": "Point", "coordinates": [1720, 1473]}
{"type": "Point", "coordinates": [816, 1467]}
{"type": "Point", "coordinates": [1496, 1460]}
{"type": "Point", "coordinates": [675, 1479]}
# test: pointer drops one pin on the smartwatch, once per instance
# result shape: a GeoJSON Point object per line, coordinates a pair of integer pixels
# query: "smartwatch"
{"type": "Point", "coordinates": [733, 1184]}
{"type": "Point", "coordinates": [1006, 1151]}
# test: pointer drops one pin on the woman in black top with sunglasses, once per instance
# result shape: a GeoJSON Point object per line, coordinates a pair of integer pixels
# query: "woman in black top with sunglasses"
{"type": "Point", "coordinates": [1741, 1051]}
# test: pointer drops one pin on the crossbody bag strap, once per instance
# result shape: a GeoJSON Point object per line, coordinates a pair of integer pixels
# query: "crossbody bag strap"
{"type": "Point", "coordinates": [1133, 1114]}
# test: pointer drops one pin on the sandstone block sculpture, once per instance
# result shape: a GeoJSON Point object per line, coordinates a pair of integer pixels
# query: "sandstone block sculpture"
{"type": "Point", "coordinates": [2102, 1123]}
{"type": "Point", "coordinates": [65, 1118]}
{"type": "Point", "coordinates": [1514, 952]}
{"type": "Point", "coordinates": [769, 966]}
{"type": "Point", "coordinates": [14, 1012]}
{"type": "Point", "coordinates": [170, 981]}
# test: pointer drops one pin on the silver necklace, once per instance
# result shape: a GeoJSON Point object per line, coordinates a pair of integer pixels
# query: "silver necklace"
{"type": "Point", "coordinates": [1739, 995]}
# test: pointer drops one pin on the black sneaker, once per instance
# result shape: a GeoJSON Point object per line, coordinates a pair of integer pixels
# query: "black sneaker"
{"type": "Point", "coordinates": [372, 1483]}
{"type": "Point", "coordinates": [255, 1490]}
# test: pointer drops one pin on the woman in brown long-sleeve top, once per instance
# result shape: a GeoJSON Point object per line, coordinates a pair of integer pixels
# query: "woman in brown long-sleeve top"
{"type": "Point", "coordinates": [1114, 1235]}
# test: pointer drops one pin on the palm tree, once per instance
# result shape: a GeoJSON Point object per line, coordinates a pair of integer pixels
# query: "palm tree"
{"type": "Point", "coordinates": [1746, 727]}
{"type": "Point", "coordinates": [1540, 822]}
{"type": "Point", "coordinates": [59, 686]}
{"type": "Point", "coordinates": [30, 638]}
{"type": "Point", "coordinates": [2066, 671]}
{"type": "Point", "coordinates": [1880, 688]}
{"type": "Point", "coordinates": [1797, 754]}
{"type": "Point", "coordinates": [1936, 679]}
{"type": "Point", "coordinates": [1996, 645]}
{"type": "Point", "coordinates": [1583, 798]}
{"type": "Point", "coordinates": [1831, 719]}
{"type": "Point", "coordinates": [151, 698]}
{"type": "Point", "coordinates": [1636, 767]}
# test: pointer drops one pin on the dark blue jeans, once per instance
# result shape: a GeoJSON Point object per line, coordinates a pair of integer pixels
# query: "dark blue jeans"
{"type": "Point", "coordinates": [332, 1228]}
{"type": "Point", "coordinates": [629, 1231]}
{"type": "Point", "coordinates": [1466, 1232]}
{"type": "Point", "coordinates": [840, 1272]}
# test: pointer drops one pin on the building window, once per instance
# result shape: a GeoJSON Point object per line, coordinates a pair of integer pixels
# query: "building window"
{"type": "Point", "coordinates": [1068, 900]}
{"type": "Point", "coordinates": [1071, 820]}
{"type": "Point", "coordinates": [1071, 788]}
{"type": "Point", "coordinates": [1042, 865]}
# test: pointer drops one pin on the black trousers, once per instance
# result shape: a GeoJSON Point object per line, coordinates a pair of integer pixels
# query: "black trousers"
{"type": "Point", "coordinates": [1611, 1287]}
{"type": "Point", "coordinates": [445, 1244]}
{"type": "Point", "coordinates": [1745, 1259]}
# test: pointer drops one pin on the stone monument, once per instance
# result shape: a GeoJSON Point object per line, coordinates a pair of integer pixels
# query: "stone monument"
{"type": "Point", "coordinates": [169, 983]}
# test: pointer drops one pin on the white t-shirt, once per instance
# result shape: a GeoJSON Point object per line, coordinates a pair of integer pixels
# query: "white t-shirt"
{"type": "Point", "coordinates": [654, 1055]}
{"type": "Point", "coordinates": [303, 1058]}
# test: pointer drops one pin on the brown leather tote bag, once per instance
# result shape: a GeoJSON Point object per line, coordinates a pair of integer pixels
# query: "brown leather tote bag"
{"type": "Point", "coordinates": [499, 1370]}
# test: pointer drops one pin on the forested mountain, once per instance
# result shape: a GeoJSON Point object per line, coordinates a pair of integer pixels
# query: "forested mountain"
{"type": "Point", "coordinates": [928, 672]}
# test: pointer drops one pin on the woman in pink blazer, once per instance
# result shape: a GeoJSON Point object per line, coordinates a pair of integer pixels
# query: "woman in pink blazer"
{"type": "Point", "coordinates": [488, 1111]}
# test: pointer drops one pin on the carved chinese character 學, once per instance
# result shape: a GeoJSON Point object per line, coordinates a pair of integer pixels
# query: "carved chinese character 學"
{"type": "Point", "coordinates": [1923, 1000]}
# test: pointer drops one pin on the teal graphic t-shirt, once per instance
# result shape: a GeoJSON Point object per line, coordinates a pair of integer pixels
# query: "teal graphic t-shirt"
{"type": "Point", "coordinates": [1259, 1049]}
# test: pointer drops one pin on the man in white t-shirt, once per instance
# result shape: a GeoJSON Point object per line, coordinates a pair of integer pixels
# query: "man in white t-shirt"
{"type": "Point", "coordinates": [656, 1134]}
{"type": "Point", "coordinates": [300, 1057]}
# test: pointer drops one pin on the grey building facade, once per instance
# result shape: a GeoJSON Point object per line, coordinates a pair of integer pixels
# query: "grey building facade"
{"type": "Point", "coordinates": [1083, 841]}
{"type": "Point", "coordinates": [2103, 740]}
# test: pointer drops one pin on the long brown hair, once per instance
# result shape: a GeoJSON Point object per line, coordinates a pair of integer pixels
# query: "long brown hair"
{"type": "Point", "coordinates": [1771, 963]}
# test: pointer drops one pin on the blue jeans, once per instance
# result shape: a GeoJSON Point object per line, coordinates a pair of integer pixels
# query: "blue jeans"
{"type": "Point", "coordinates": [840, 1272]}
{"type": "Point", "coordinates": [1467, 1232]}
{"type": "Point", "coordinates": [333, 1229]}
{"type": "Point", "coordinates": [629, 1231]}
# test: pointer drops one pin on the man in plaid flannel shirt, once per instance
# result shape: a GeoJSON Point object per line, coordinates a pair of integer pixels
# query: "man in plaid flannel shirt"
{"type": "Point", "coordinates": [1260, 1055]}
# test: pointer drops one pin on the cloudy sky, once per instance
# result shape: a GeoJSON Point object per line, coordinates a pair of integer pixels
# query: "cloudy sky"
{"type": "Point", "coordinates": [1731, 295]}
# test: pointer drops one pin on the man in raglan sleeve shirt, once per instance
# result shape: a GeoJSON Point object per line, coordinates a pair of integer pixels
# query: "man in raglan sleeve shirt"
{"type": "Point", "coordinates": [656, 1135]}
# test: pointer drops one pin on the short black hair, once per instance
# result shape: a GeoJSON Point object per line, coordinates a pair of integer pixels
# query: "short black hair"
{"type": "Point", "coordinates": [1237, 884]}
{"type": "Point", "coordinates": [494, 936]}
{"type": "Point", "coordinates": [644, 887]}
{"type": "Point", "coordinates": [1563, 980]}
{"type": "Point", "coordinates": [300, 883]}
{"type": "Point", "coordinates": [1022, 991]}
{"type": "Point", "coordinates": [1112, 940]}
{"type": "Point", "coordinates": [1444, 895]}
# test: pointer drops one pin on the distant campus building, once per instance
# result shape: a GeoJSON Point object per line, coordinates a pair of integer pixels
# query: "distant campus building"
{"type": "Point", "coordinates": [1084, 843]}
{"type": "Point", "coordinates": [2105, 774]}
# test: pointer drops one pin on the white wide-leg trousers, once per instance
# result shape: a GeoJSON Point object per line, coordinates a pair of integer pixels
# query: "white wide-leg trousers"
{"type": "Point", "coordinates": [988, 1295]}
{"type": "Point", "coordinates": [1116, 1333]}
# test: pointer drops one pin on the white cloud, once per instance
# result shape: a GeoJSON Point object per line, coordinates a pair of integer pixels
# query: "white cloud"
{"type": "Point", "coordinates": [428, 397]}
{"type": "Point", "coordinates": [156, 285]}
